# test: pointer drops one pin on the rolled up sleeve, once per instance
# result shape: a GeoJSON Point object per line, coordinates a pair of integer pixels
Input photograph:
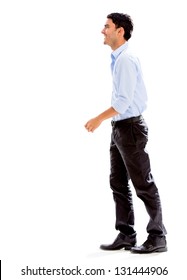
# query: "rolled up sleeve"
{"type": "Point", "coordinates": [124, 84]}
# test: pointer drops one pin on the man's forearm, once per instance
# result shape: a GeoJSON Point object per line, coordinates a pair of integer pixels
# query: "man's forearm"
{"type": "Point", "coordinates": [109, 113]}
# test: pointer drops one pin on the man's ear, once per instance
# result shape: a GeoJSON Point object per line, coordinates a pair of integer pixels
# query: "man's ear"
{"type": "Point", "coordinates": [122, 31]}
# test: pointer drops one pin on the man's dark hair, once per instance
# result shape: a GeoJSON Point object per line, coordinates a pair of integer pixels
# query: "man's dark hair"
{"type": "Point", "coordinates": [122, 20]}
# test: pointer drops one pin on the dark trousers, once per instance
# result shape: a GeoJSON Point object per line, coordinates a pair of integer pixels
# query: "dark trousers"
{"type": "Point", "coordinates": [130, 161]}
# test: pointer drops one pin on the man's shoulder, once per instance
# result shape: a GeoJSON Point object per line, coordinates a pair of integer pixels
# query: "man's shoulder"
{"type": "Point", "coordinates": [128, 55]}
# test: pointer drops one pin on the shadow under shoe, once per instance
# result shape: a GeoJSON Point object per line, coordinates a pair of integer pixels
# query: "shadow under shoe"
{"type": "Point", "coordinates": [151, 245]}
{"type": "Point", "coordinates": [121, 242]}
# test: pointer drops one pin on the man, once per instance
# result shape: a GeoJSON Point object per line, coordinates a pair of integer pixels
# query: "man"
{"type": "Point", "coordinates": [128, 157]}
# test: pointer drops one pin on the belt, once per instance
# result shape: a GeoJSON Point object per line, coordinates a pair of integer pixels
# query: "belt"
{"type": "Point", "coordinates": [125, 121]}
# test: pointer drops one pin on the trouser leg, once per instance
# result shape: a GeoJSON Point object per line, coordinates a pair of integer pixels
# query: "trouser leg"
{"type": "Point", "coordinates": [121, 192]}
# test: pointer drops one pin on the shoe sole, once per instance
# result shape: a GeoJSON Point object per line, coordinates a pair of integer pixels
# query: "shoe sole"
{"type": "Point", "coordinates": [125, 247]}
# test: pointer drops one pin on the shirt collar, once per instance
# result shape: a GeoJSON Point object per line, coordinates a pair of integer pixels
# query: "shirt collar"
{"type": "Point", "coordinates": [115, 53]}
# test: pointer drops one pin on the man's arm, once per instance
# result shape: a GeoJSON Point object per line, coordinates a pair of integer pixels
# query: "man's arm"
{"type": "Point", "coordinates": [94, 123]}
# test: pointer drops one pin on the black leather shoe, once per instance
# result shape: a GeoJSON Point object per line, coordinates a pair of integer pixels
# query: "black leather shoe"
{"type": "Point", "coordinates": [151, 245]}
{"type": "Point", "coordinates": [121, 241]}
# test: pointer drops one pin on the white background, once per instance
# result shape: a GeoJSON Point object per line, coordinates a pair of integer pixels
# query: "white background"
{"type": "Point", "coordinates": [56, 207]}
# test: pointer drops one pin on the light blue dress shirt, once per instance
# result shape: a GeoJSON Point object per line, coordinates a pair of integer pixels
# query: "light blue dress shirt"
{"type": "Point", "coordinates": [129, 94]}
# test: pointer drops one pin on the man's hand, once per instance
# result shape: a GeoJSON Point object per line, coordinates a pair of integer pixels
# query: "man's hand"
{"type": "Point", "coordinates": [92, 124]}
